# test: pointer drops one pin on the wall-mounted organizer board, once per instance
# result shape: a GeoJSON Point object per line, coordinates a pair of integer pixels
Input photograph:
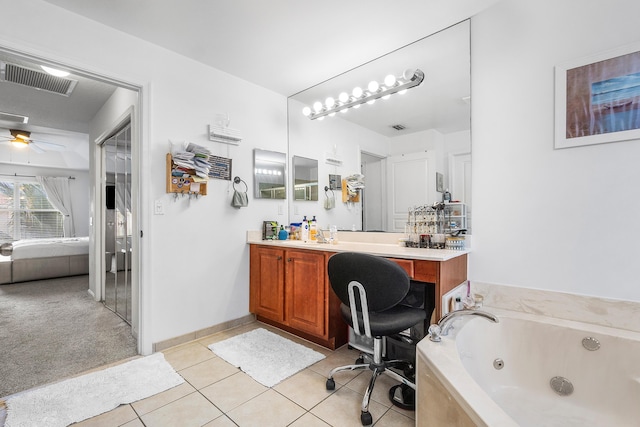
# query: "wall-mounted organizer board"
{"type": "Point", "coordinates": [182, 185]}
{"type": "Point", "coordinates": [346, 197]}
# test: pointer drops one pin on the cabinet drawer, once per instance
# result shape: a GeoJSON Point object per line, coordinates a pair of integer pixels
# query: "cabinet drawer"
{"type": "Point", "coordinates": [426, 271]}
{"type": "Point", "coordinates": [406, 264]}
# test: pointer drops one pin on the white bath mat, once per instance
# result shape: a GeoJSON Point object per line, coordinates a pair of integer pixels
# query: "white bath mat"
{"type": "Point", "coordinates": [83, 397]}
{"type": "Point", "coordinates": [268, 358]}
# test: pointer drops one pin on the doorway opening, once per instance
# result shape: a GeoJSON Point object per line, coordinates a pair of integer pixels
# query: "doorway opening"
{"type": "Point", "coordinates": [373, 195]}
{"type": "Point", "coordinates": [77, 122]}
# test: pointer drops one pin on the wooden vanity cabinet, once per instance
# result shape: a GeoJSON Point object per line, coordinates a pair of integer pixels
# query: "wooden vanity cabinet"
{"type": "Point", "coordinates": [266, 298]}
{"type": "Point", "coordinates": [289, 289]}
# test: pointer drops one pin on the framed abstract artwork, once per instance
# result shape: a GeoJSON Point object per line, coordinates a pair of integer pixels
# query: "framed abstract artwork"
{"type": "Point", "coordinates": [598, 98]}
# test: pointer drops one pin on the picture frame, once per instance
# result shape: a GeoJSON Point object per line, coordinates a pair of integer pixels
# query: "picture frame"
{"type": "Point", "coordinates": [597, 98]}
{"type": "Point", "coordinates": [439, 182]}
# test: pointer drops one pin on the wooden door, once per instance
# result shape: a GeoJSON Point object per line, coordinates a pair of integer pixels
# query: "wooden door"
{"type": "Point", "coordinates": [266, 297]}
{"type": "Point", "coordinates": [306, 291]}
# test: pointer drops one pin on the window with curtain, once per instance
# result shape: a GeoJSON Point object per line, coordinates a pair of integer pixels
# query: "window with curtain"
{"type": "Point", "coordinates": [26, 213]}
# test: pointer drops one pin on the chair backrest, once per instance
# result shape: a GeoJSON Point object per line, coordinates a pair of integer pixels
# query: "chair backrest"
{"type": "Point", "coordinates": [384, 281]}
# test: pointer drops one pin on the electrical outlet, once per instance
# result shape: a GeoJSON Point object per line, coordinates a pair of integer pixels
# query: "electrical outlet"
{"type": "Point", "coordinates": [158, 207]}
{"type": "Point", "coordinates": [280, 210]}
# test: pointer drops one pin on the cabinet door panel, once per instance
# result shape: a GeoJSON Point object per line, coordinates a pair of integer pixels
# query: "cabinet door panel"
{"type": "Point", "coordinates": [267, 283]}
{"type": "Point", "coordinates": [305, 291]}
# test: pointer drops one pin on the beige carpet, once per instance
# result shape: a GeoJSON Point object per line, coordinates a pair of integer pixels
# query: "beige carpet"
{"type": "Point", "coordinates": [53, 329]}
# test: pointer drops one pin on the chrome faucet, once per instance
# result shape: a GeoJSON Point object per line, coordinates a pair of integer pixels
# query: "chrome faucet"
{"type": "Point", "coordinates": [444, 324]}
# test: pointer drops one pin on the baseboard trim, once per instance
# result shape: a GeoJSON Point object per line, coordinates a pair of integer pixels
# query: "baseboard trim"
{"type": "Point", "coordinates": [171, 342]}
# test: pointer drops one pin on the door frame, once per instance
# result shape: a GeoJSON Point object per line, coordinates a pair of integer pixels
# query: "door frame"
{"type": "Point", "coordinates": [139, 117]}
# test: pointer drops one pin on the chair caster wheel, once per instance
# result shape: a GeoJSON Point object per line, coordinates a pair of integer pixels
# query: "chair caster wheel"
{"type": "Point", "coordinates": [366, 418]}
{"type": "Point", "coordinates": [331, 384]}
{"type": "Point", "coordinates": [403, 396]}
{"type": "Point", "coordinates": [360, 361]}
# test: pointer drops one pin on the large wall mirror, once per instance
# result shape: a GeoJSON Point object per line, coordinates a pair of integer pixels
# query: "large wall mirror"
{"type": "Point", "coordinates": [269, 174]}
{"type": "Point", "coordinates": [410, 147]}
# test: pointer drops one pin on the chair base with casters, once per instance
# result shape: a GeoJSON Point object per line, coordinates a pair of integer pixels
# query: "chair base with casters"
{"type": "Point", "coordinates": [378, 366]}
{"type": "Point", "coordinates": [371, 289]}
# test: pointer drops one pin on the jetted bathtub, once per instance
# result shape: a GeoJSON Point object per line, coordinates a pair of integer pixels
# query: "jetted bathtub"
{"type": "Point", "coordinates": [529, 371]}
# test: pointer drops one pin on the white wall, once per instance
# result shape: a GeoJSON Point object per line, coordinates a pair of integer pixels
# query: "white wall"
{"type": "Point", "coordinates": [195, 260]}
{"type": "Point", "coordinates": [198, 256]}
{"type": "Point", "coordinates": [563, 220]}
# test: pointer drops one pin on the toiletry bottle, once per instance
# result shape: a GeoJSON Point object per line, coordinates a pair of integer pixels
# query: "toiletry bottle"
{"type": "Point", "coordinates": [282, 234]}
{"type": "Point", "coordinates": [304, 232]}
{"type": "Point", "coordinates": [313, 229]}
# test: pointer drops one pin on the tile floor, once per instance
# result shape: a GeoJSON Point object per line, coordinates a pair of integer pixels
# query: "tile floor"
{"type": "Point", "coordinates": [216, 394]}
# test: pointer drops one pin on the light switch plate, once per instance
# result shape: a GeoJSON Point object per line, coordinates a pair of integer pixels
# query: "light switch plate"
{"type": "Point", "coordinates": [158, 207]}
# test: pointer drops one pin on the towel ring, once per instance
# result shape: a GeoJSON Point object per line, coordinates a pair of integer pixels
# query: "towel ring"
{"type": "Point", "coordinates": [237, 180]}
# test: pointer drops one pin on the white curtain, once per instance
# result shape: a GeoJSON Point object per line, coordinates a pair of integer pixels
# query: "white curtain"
{"type": "Point", "coordinates": [59, 194]}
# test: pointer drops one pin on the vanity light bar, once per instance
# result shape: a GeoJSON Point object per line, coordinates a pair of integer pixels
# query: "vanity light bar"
{"type": "Point", "coordinates": [375, 91]}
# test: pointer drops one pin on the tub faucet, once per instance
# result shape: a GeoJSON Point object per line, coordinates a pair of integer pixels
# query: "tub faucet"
{"type": "Point", "coordinates": [444, 324]}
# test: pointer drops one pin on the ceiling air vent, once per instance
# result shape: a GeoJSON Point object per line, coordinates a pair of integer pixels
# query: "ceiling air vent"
{"type": "Point", "coordinates": [36, 79]}
{"type": "Point", "coordinates": [398, 127]}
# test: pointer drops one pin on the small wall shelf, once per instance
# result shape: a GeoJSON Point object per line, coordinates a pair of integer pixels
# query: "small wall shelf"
{"type": "Point", "coordinates": [345, 194]}
{"type": "Point", "coordinates": [182, 185]}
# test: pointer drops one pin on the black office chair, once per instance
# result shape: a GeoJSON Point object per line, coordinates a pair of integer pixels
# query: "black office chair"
{"type": "Point", "coordinates": [371, 289]}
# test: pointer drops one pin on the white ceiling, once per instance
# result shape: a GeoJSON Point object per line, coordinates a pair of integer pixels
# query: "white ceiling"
{"type": "Point", "coordinates": [283, 45]}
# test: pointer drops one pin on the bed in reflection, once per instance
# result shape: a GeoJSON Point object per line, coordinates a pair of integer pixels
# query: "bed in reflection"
{"type": "Point", "coordinates": [36, 259]}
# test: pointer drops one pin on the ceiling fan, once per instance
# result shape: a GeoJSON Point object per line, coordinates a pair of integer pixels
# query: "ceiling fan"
{"type": "Point", "coordinates": [22, 139]}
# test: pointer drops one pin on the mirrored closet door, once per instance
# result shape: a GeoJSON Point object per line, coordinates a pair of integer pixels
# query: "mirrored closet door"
{"type": "Point", "coordinates": [118, 224]}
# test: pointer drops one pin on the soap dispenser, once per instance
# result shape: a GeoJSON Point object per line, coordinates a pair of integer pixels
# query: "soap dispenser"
{"type": "Point", "coordinates": [313, 229]}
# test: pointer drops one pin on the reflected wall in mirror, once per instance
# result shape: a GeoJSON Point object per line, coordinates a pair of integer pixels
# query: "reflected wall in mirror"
{"type": "Point", "coordinates": [269, 174]}
{"type": "Point", "coordinates": [399, 143]}
{"type": "Point", "coordinates": [305, 178]}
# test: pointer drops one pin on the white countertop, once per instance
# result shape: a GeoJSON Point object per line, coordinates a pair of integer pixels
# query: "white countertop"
{"type": "Point", "coordinates": [381, 248]}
